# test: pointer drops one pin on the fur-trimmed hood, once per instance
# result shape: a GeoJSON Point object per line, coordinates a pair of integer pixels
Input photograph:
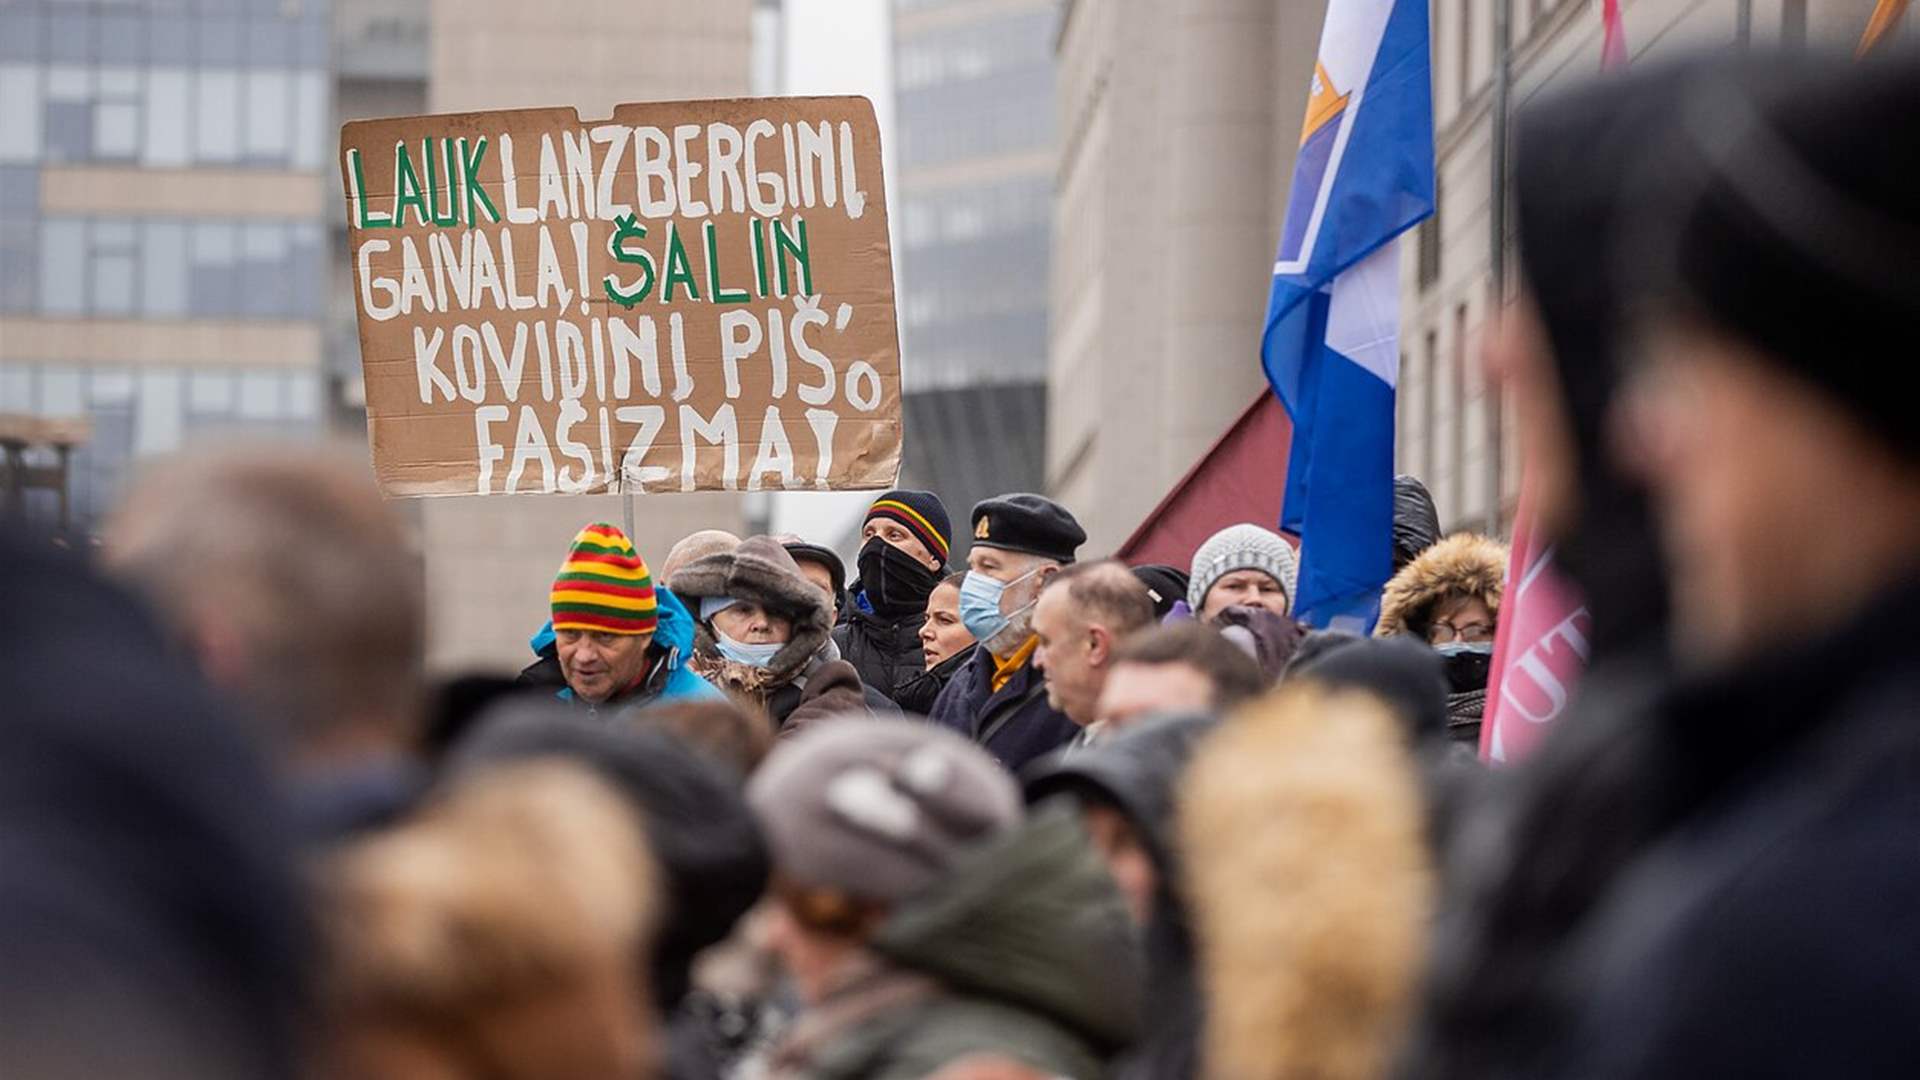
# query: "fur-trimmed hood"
{"type": "Point", "coordinates": [1311, 885]}
{"type": "Point", "coordinates": [762, 571]}
{"type": "Point", "coordinates": [1464, 563]}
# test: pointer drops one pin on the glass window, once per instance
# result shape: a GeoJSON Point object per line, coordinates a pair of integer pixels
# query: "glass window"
{"type": "Point", "coordinates": [70, 35]}
{"type": "Point", "coordinates": [213, 252]}
{"type": "Point", "coordinates": [123, 36]}
{"type": "Point", "coordinates": [210, 393]}
{"type": "Point", "coordinates": [263, 258]}
{"type": "Point", "coordinates": [270, 41]}
{"type": "Point", "coordinates": [222, 41]}
{"type": "Point", "coordinates": [19, 34]}
{"type": "Point", "coordinates": [216, 120]}
{"type": "Point", "coordinates": [112, 281]}
{"type": "Point", "coordinates": [19, 111]}
{"type": "Point", "coordinates": [269, 111]}
{"type": "Point", "coordinates": [116, 130]}
{"type": "Point", "coordinates": [63, 266]}
{"type": "Point", "coordinates": [306, 267]}
{"type": "Point", "coordinates": [16, 389]}
{"type": "Point", "coordinates": [110, 386]}
{"type": "Point", "coordinates": [259, 395]}
{"type": "Point", "coordinates": [170, 38]}
{"type": "Point", "coordinates": [159, 413]}
{"type": "Point", "coordinates": [169, 91]}
{"type": "Point", "coordinates": [19, 263]}
{"type": "Point", "coordinates": [303, 396]}
{"type": "Point", "coordinates": [60, 392]}
{"type": "Point", "coordinates": [313, 139]}
{"type": "Point", "coordinates": [20, 189]}
{"type": "Point", "coordinates": [69, 131]}
{"type": "Point", "coordinates": [163, 268]}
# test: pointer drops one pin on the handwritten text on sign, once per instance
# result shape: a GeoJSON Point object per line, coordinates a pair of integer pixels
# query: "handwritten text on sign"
{"type": "Point", "coordinates": [686, 296]}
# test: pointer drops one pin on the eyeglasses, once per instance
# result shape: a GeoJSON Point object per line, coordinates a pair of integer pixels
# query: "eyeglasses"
{"type": "Point", "coordinates": [1474, 632]}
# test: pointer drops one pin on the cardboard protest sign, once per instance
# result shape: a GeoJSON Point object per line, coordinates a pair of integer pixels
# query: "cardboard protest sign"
{"type": "Point", "coordinates": [692, 295]}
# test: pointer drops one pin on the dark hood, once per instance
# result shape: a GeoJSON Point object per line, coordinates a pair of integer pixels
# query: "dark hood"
{"type": "Point", "coordinates": [1405, 673]}
{"type": "Point", "coordinates": [1135, 772]}
{"type": "Point", "coordinates": [696, 817]}
{"type": "Point", "coordinates": [1416, 522]}
{"type": "Point", "coordinates": [1573, 157]}
{"type": "Point", "coordinates": [1034, 920]}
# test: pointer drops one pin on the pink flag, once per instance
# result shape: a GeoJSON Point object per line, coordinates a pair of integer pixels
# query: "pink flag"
{"type": "Point", "coordinates": [1539, 650]}
{"type": "Point", "coordinates": [1613, 36]}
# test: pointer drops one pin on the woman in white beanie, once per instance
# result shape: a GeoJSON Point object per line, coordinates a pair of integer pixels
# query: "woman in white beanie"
{"type": "Point", "coordinates": [1242, 566]}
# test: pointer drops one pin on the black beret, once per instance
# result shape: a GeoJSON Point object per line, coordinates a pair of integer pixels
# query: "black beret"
{"type": "Point", "coordinates": [1033, 524]}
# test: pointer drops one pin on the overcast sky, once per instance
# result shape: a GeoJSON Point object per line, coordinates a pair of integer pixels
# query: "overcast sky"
{"type": "Point", "coordinates": [836, 47]}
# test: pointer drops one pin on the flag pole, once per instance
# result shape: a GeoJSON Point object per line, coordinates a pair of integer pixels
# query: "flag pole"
{"type": "Point", "coordinates": [1497, 237]}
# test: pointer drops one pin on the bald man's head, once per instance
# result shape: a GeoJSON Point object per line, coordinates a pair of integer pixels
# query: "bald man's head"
{"type": "Point", "coordinates": [1086, 610]}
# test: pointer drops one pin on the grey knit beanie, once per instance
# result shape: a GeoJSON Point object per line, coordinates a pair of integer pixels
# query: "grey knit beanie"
{"type": "Point", "coordinates": [878, 808]}
{"type": "Point", "coordinates": [1242, 547]}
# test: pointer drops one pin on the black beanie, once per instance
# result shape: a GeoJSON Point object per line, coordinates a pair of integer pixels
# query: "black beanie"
{"type": "Point", "coordinates": [1787, 219]}
{"type": "Point", "coordinates": [923, 514]}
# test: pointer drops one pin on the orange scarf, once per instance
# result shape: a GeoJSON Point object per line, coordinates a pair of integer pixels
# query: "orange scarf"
{"type": "Point", "coordinates": [1004, 670]}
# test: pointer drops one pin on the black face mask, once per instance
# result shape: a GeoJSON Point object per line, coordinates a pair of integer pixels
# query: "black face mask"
{"type": "Point", "coordinates": [895, 582]}
{"type": "Point", "coordinates": [1467, 671]}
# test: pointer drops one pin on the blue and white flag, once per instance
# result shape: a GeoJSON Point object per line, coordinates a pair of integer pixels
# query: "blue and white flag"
{"type": "Point", "coordinates": [1364, 175]}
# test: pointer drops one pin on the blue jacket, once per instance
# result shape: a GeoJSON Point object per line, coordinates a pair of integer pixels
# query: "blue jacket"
{"type": "Point", "coordinates": [672, 644]}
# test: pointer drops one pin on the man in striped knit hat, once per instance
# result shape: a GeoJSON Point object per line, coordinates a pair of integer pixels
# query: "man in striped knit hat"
{"type": "Point", "coordinates": [619, 641]}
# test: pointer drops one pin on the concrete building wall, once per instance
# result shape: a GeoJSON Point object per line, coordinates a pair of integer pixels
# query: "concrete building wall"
{"type": "Point", "coordinates": [1452, 432]}
{"type": "Point", "coordinates": [1179, 125]}
{"type": "Point", "coordinates": [490, 561]}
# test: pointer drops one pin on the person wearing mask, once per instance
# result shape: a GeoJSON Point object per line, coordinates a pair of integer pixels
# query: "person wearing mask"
{"type": "Point", "coordinates": [1741, 903]}
{"type": "Point", "coordinates": [1183, 667]}
{"type": "Point", "coordinates": [294, 588]}
{"type": "Point", "coordinates": [616, 641]}
{"type": "Point", "coordinates": [763, 636]}
{"type": "Point", "coordinates": [1449, 597]}
{"type": "Point", "coordinates": [922, 922]}
{"type": "Point", "coordinates": [1123, 789]}
{"type": "Point", "coordinates": [998, 698]}
{"type": "Point", "coordinates": [903, 553]}
{"type": "Point", "coordinates": [945, 646]}
{"type": "Point", "coordinates": [1082, 616]}
{"type": "Point", "coordinates": [821, 566]}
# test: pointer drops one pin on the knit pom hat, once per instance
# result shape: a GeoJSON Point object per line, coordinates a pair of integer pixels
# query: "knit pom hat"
{"type": "Point", "coordinates": [923, 514]}
{"type": "Point", "coordinates": [1242, 547]}
{"type": "Point", "coordinates": [603, 585]}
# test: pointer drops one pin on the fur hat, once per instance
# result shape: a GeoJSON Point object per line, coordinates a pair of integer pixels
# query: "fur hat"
{"type": "Point", "coordinates": [1464, 564]}
{"type": "Point", "coordinates": [760, 570]}
{"type": "Point", "coordinates": [1242, 547]}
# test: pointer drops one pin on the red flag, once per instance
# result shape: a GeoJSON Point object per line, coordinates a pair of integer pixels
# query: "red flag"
{"type": "Point", "coordinates": [1613, 36]}
{"type": "Point", "coordinates": [1539, 650]}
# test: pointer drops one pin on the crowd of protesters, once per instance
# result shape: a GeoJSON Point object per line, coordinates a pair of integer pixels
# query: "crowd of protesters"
{"type": "Point", "coordinates": [1037, 813]}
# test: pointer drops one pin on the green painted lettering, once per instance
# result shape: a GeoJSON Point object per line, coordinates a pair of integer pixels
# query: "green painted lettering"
{"type": "Point", "coordinates": [369, 219]}
{"type": "Point", "coordinates": [470, 169]}
{"type": "Point", "coordinates": [406, 187]}
{"type": "Point", "coordinates": [720, 295]}
{"type": "Point", "coordinates": [679, 268]}
{"type": "Point", "coordinates": [792, 245]}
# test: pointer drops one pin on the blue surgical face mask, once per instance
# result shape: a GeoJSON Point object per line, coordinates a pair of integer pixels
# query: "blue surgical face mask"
{"type": "Point", "coordinates": [740, 652]}
{"type": "Point", "coordinates": [980, 605]}
{"type": "Point", "coordinates": [1459, 648]}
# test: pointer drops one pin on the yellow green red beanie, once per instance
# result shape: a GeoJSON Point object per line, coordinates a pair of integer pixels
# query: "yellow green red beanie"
{"type": "Point", "coordinates": [604, 585]}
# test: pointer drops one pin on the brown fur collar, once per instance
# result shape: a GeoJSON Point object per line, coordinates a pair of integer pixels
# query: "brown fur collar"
{"type": "Point", "coordinates": [1310, 882]}
{"type": "Point", "coordinates": [759, 570]}
{"type": "Point", "coordinates": [1464, 563]}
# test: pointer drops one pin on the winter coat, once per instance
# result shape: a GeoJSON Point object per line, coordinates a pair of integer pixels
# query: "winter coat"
{"type": "Point", "coordinates": [1302, 828]}
{"type": "Point", "coordinates": [1136, 773]}
{"type": "Point", "coordinates": [806, 680]}
{"type": "Point", "coordinates": [962, 971]}
{"type": "Point", "coordinates": [1269, 638]}
{"type": "Point", "coordinates": [670, 679]}
{"type": "Point", "coordinates": [1461, 565]}
{"type": "Point", "coordinates": [1743, 896]}
{"type": "Point", "coordinates": [1416, 522]}
{"type": "Point", "coordinates": [153, 909]}
{"type": "Point", "coordinates": [885, 652]}
{"type": "Point", "coordinates": [918, 694]}
{"type": "Point", "coordinates": [1014, 724]}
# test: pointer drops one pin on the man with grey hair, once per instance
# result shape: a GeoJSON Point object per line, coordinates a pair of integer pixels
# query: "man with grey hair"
{"type": "Point", "coordinates": [294, 588]}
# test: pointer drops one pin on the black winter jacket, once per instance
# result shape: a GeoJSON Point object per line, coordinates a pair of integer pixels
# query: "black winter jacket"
{"type": "Point", "coordinates": [885, 652]}
{"type": "Point", "coordinates": [1751, 913]}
